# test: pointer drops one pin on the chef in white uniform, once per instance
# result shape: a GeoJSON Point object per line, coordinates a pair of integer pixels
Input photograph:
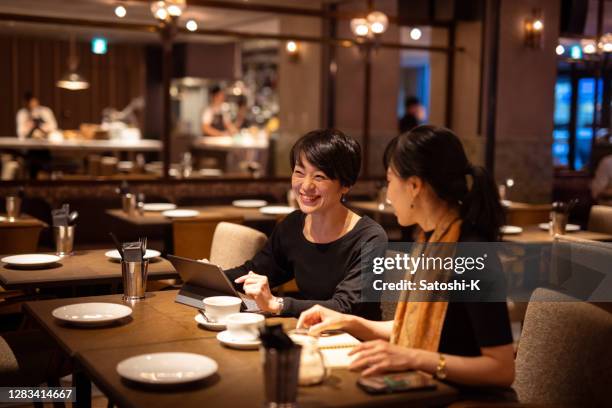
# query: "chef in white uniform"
{"type": "Point", "coordinates": [34, 120]}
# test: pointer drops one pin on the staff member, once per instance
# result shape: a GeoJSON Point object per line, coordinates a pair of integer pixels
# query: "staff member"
{"type": "Point", "coordinates": [216, 121]}
{"type": "Point", "coordinates": [34, 120]}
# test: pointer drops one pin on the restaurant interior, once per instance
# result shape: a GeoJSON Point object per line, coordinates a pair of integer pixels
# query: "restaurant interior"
{"type": "Point", "coordinates": [168, 128]}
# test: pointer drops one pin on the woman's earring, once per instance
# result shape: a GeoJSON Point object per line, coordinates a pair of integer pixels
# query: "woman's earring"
{"type": "Point", "coordinates": [343, 198]}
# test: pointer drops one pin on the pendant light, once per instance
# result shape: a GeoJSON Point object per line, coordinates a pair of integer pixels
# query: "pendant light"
{"type": "Point", "coordinates": [72, 80]}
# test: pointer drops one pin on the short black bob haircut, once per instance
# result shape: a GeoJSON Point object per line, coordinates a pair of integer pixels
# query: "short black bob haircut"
{"type": "Point", "coordinates": [331, 151]}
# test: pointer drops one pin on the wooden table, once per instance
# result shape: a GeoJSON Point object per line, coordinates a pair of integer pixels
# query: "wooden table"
{"type": "Point", "coordinates": [81, 268]}
{"type": "Point", "coordinates": [20, 235]}
{"type": "Point", "coordinates": [238, 383]}
{"type": "Point", "coordinates": [150, 218]}
{"type": "Point", "coordinates": [534, 235]}
{"type": "Point", "coordinates": [24, 220]}
{"type": "Point", "coordinates": [160, 324]}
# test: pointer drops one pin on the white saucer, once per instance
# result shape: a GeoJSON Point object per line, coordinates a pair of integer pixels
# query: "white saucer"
{"type": "Point", "coordinates": [217, 326]}
{"type": "Point", "coordinates": [568, 228]}
{"type": "Point", "coordinates": [180, 213]}
{"type": "Point", "coordinates": [31, 259]}
{"type": "Point", "coordinates": [277, 210]}
{"type": "Point", "coordinates": [510, 230]}
{"type": "Point", "coordinates": [114, 254]}
{"type": "Point", "coordinates": [157, 207]}
{"type": "Point", "coordinates": [167, 368]}
{"type": "Point", "coordinates": [249, 203]}
{"type": "Point", "coordinates": [91, 314]}
{"type": "Point", "coordinates": [227, 340]}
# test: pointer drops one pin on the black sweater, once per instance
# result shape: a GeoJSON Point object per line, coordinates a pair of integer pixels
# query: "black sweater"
{"type": "Point", "coordinates": [326, 274]}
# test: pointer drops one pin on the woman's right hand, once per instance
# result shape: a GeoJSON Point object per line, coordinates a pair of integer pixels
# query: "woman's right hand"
{"type": "Point", "coordinates": [317, 319]}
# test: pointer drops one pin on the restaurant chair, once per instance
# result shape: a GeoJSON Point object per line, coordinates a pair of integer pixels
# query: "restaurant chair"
{"type": "Point", "coordinates": [581, 268]}
{"type": "Point", "coordinates": [525, 215]}
{"type": "Point", "coordinates": [564, 356]}
{"type": "Point", "coordinates": [19, 239]}
{"type": "Point", "coordinates": [233, 244]}
{"type": "Point", "coordinates": [600, 219]}
{"type": "Point", "coordinates": [28, 359]}
{"type": "Point", "coordinates": [193, 237]}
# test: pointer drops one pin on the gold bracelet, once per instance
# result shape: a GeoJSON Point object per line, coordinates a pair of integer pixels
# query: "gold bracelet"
{"type": "Point", "coordinates": [441, 368]}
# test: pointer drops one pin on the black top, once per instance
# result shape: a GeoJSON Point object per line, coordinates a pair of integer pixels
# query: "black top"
{"type": "Point", "coordinates": [468, 326]}
{"type": "Point", "coordinates": [326, 274]}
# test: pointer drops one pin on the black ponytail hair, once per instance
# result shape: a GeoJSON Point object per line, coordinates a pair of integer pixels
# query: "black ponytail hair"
{"type": "Point", "coordinates": [436, 155]}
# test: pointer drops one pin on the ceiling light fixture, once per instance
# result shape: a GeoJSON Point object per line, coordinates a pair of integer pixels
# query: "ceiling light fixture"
{"type": "Point", "coordinates": [191, 25]}
{"type": "Point", "coordinates": [72, 80]}
{"type": "Point", "coordinates": [120, 11]}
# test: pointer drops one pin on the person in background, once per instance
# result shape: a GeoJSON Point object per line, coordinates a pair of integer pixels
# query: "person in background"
{"type": "Point", "coordinates": [216, 121]}
{"type": "Point", "coordinates": [320, 244]}
{"type": "Point", "coordinates": [601, 186]}
{"type": "Point", "coordinates": [34, 120]}
{"type": "Point", "coordinates": [413, 114]}
{"type": "Point", "coordinates": [243, 120]}
{"type": "Point", "coordinates": [467, 343]}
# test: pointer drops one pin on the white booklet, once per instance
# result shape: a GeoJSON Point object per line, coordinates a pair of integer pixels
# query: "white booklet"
{"type": "Point", "coordinates": [335, 349]}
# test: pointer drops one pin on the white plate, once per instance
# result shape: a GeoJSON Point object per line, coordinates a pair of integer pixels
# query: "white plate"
{"type": "Point", "coordinates": [30, 259]}
{"type": "Point", "coordinates": [209, 325]}
{"type": "Point", "coordinates": [91, 314]}
{"type": "Point", "coordinates": [249, 203]}
{"type": "Point", "coordinates": [277, 210]}
{"type": "Point", "coordinates": [114, 254]}
{"type": "Point", "coordinates": [180, 213]}
{"type": "Point", "coordinates": [510, 229]}
{"type": "Point", "coordinates": [227, 340]}
{"type": "Point", "coordinates": [157, 207]}
{"type": "Point", "coordinates": [167, 368]}
{"type": "Point", "coordinates": [569, 227]}
{"type": "Point", "coordinates": [506, 203]}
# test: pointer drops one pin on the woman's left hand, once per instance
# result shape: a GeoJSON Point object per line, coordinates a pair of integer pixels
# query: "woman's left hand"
{"type": "Point", "coordinates": [379, 356]}
{"type": "Point", "coordinates": [257, 287]}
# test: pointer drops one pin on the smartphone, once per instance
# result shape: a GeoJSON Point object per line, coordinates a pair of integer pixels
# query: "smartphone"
{"type": "Point", "coordinates": [401, 382]}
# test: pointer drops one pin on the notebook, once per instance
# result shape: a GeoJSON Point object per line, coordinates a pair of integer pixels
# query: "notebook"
{"type": "Point", "coordinates": [335, 349]}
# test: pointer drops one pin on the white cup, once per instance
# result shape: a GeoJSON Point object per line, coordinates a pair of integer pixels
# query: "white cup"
{"type": "Point", "coordinates": [244, 326]}
{"type": "Point", "coordinates": [217, 308]}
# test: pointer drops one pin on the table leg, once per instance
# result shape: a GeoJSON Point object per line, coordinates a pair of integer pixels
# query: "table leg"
{"type": "Point", "coordinates": [82, 383]}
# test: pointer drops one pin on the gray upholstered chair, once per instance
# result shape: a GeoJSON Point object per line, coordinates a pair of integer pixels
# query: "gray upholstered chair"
{"type": "Point", "coordinates": [28, 358]}
{"type": "Point", "coordinates": [565, 354]}
{"type": "Point", "coordinates": [600, 219]}
{"type": "Point", "coordinates": [233, 244]}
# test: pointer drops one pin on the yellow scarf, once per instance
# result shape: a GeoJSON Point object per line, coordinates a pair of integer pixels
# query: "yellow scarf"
{"type": "Point", "coordinates": [419, 324]}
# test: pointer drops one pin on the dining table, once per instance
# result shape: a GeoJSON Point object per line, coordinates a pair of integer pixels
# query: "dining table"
{"type": "Point", "coordinates": [85, 267]}
{"type": "Point", "coordinates": [533, 234]}
{"type": "Point", "coordinates": [159, 324]}
{"type": "Point", "coordinates": [156, 218]}
{"type": "Point", "coordinates": [20, 234]}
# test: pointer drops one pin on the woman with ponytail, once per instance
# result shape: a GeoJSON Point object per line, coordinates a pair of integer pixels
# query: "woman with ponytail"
{"type": "Point", "coordinates": [433, 185]}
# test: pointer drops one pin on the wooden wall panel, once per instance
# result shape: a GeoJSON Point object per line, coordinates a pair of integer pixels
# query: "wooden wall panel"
{"type": "Point", "coordinates": [37, 63]}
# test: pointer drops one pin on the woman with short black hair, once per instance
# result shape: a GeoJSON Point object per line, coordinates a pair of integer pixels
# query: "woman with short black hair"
{"type": "Point", "coordinates": [320, 245]}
